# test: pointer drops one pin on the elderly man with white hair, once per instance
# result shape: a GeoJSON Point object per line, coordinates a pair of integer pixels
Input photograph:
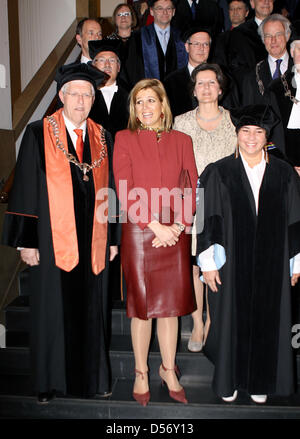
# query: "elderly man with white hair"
{"type": "Point", "coordinates": [285, 99]}
{"type": "Point", "coordinates": [275, 33]}
{"type": "Point", "coordinates": [54, 215]}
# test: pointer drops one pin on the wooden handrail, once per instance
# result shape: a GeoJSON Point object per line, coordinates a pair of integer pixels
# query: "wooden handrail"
{"type": "Point", "coordinates": [27, 102]}
{"type": "Point", "coordinates": [7, 187]}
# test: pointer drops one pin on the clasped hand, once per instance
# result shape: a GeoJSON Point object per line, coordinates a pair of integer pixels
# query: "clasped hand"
{"type": "Point", "coordinates": [31, 256]}
{"type": "Point", "coordinates": [165, 236]}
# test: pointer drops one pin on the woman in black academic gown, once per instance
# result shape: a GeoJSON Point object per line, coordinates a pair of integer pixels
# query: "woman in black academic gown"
{"type": "Point", "coordinates": [252, 235]}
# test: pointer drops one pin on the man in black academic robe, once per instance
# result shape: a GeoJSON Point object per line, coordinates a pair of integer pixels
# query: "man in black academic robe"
{"type": "Point", "coordinates": [245, 47]}
{"type": "Point", "coordinates": [284, 98]}
{"type": "Point", "coordinates": [249, 340]}
{"type": "Point", "coordinates": [146, 56]}
{"type": "Point", "coordinates": [204, 13]}
{"type": "Point", "coordinates": [177, 84]}
{"type": "Point", "coordinates": [68, 277]}
{"type": "Point", "coordinates": [256, 83]}
{"type": "Point", "coordinates": [238, 13]}
{"type": "Point", "coordinates": [110, 108]}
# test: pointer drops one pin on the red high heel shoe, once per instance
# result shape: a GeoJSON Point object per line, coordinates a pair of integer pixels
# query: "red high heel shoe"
{"type": "Point", "coordinates": [142, 398]}
{"type": "Point", "coordinates": [178, 395]}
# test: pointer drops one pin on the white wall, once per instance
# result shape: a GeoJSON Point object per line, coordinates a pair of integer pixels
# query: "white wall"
{"type": "Point", "coordinates": [108, 6]}
{"type": "Point", "coordinates": [48, 97]}
{"type": "Point", "coordinates": [5, 96]}
{"type": "Point", "coordinates": [42, 24]}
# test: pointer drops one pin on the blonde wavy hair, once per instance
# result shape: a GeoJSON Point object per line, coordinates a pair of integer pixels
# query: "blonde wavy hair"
{"type": "Point", "coordinates": [158, 88]}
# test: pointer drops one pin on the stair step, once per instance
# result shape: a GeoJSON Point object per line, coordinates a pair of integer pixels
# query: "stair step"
{"type": "Point", "coordinates": [203, 404]}
{"type": "Point", "coordinates": [17, 317]}
{"type": "Point", "coordinates": [196, 365]}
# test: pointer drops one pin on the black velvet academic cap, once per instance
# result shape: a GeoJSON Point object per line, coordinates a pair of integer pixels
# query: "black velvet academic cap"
{"type": "Point", "coordinates": [193, 30]}
{"type": "Point", "coordinates": [97, 46]}
{"type": "Point", "coordinates": [259, 115]}
{"type": "Point", "coordinates": [77, 71]}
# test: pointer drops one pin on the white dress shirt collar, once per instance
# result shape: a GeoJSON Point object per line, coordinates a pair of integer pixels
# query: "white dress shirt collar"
{"type": "Point", "coordinates": [191, 68]}
{"type": "Point", "coordinates": [255, 176]}
{"type": "Point", "coordinates": [257, 20]}
{"type": "Point", "coordinates": [84, 59]}
{"type": "Point", "coordinates": [108, 94]}
{"type": "Point", "coordinates": [283, 66]}
{"type": "Point", "coordinates": [71, 127]}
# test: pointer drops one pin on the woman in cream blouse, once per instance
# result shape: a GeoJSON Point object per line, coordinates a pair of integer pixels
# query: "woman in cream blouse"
{"type": "Point", "coordinates": [214, 137]}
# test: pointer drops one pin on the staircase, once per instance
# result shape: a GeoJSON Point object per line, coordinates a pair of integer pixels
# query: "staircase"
{"type": "Point", "coordinates": [17, 400]}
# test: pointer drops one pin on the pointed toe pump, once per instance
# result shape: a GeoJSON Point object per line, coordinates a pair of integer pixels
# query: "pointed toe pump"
{"type": "Point", "coordinates": [141, 398]}
{"type": "Point", "coordinates": [178, 395]}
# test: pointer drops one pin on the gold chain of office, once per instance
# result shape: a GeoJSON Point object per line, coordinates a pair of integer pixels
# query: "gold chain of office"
{"type": "Point", "coordinates": [288, 92]}
{"type": "Point", "coordinates": [84, 167]}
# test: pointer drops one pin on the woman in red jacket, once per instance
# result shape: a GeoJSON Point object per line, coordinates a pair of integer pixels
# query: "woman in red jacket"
{"type": "Point", "coordinates": [152, 166]}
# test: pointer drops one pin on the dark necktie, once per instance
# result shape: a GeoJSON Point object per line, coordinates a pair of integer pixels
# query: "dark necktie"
{"type": "Point", "coordinates": [79, 144]}
{"type": "Point", "coordinates": [193, 8]}
{"type": "Point", "coordinates": [277, 72]}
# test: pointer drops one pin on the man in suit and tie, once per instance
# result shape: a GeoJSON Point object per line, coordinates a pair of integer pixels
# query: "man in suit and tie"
{"type": "Point", "coordinates": [155, 50]}
{"type": "Point", "coordinates": [245, 47]}
{"type": "Point", "coordinates": [285, 97]}
{"type": "Point", "coordinates": [275, 32]}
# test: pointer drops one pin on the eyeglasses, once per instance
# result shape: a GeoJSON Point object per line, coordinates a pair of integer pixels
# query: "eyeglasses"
{"type": "Point", "coordinates": [277, 35]}
{"type": "Point", "coordinates": [103, 60]}
{"type": "Point", "coordinates": [123, 14]}
{"type": "Point", "coordinates": [76, 95]}
{"type": "Point", "coordinates": [161, 10]}
{"type": "Point", "coordinates": [198, 44]}
{"type": "Point", "coordinates": [92, 33]}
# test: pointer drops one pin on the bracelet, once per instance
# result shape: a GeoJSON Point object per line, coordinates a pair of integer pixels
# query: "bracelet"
{"type": "Point", "coordinates": [180, 226]}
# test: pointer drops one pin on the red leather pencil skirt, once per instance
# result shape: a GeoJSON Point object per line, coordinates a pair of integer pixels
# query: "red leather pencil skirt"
{"type": "Point", "coordinates": [158, 280]}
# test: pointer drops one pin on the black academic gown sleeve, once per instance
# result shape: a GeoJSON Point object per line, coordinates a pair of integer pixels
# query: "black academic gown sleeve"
{"type": "Point", "coordinates": [213, 230]}
{"type": "Point", "coordinates": [245, 49]}
{"type": "Point", "coordinates": [177, 85]}
{"type": "Point", "coordinates": [114, 226]}
{"type": "Point", "coordinates": [21, 219]}
{"type": "Point", "coordinates": [134, 64]}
